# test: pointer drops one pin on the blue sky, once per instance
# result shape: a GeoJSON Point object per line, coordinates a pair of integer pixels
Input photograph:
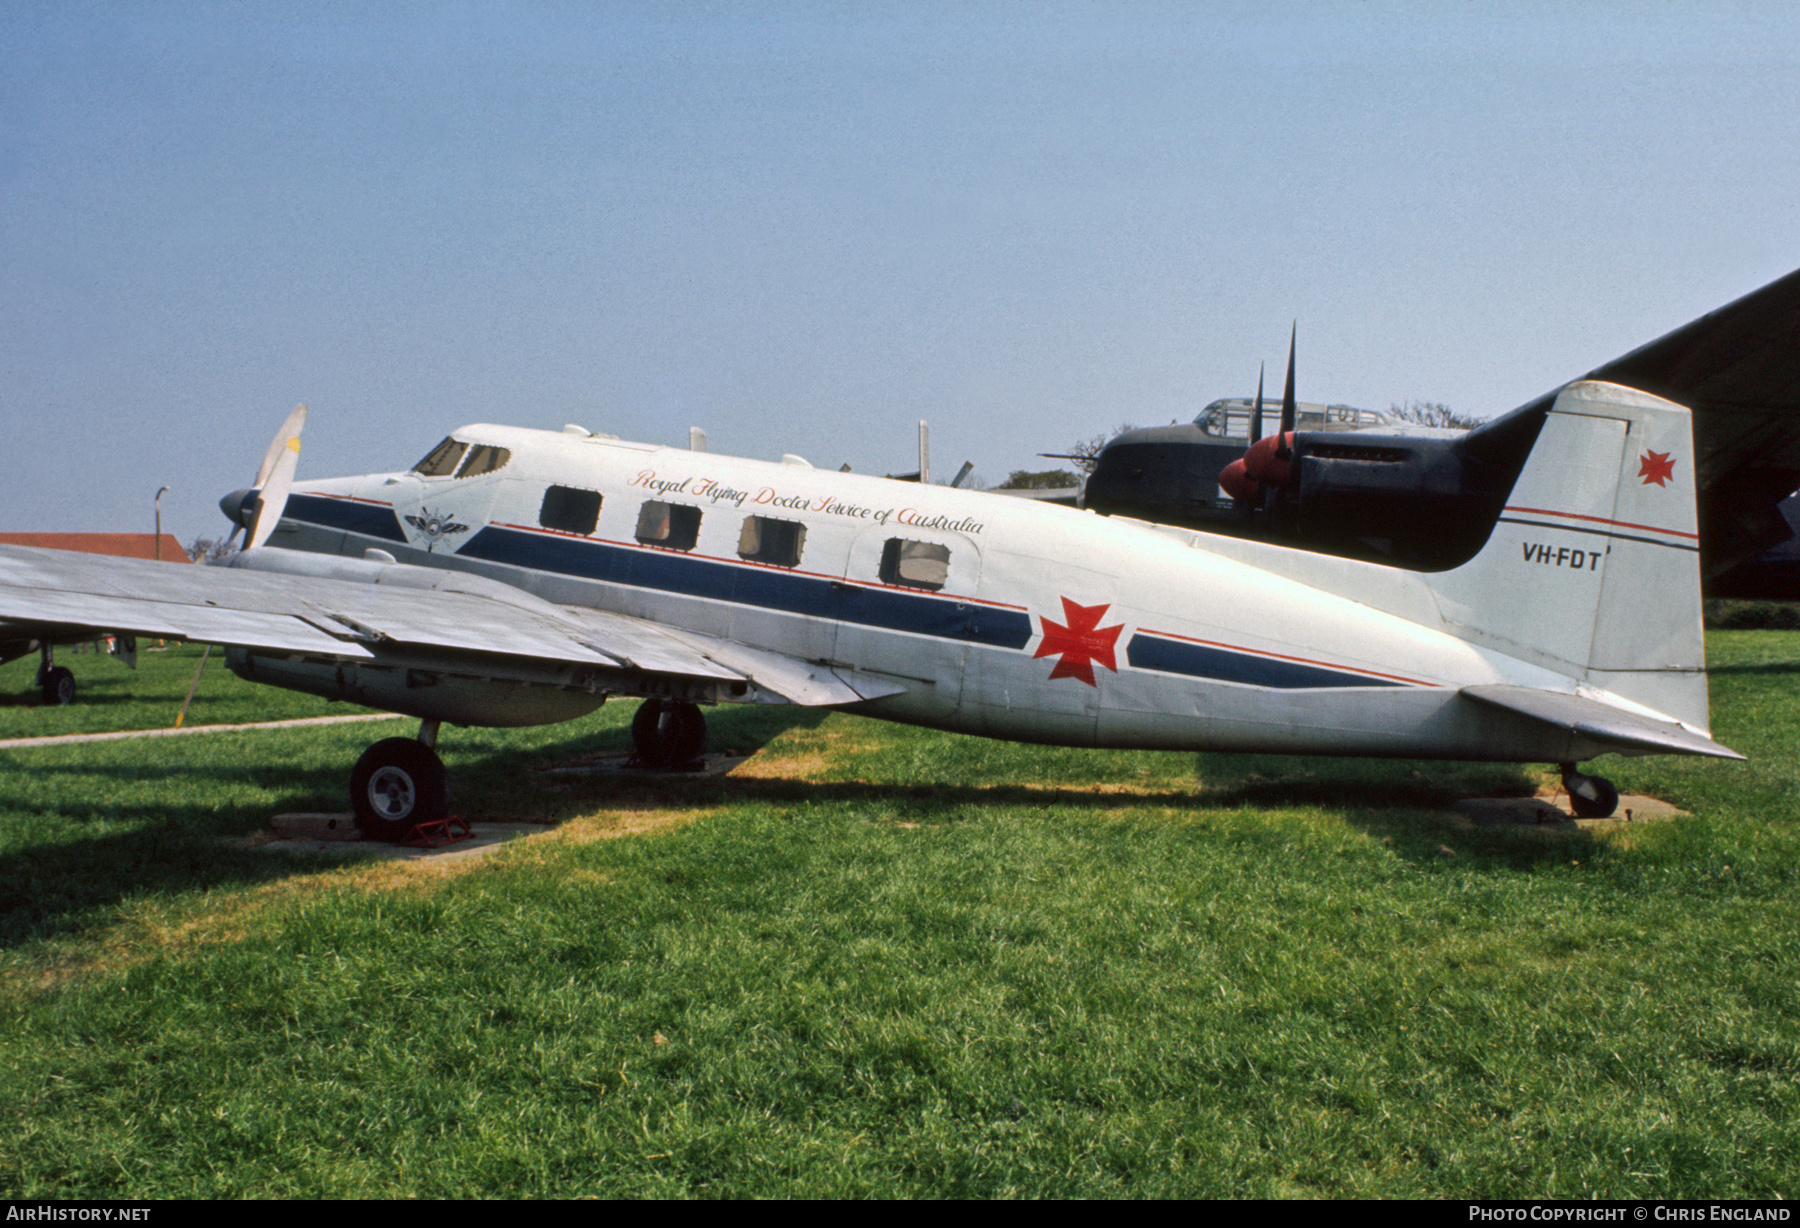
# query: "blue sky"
{"type": "Point", "coordinates": [804, 227]}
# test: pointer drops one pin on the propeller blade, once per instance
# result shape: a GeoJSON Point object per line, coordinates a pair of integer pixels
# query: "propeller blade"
{"type": "Point", "coordinates": [289, 430]}
{"type": "Point", "coordinates": [279, 475]}
{"type": "Point", "coordinates": [1289, 409]}
{"type": "Point", "coordinates": [1256, 418]}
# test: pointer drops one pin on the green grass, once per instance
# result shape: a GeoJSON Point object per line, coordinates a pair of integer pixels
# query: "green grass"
{"type": "Point", "coordinates": [878, 961]}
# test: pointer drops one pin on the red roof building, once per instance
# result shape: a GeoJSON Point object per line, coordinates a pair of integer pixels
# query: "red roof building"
{"type": "Point", "coordinates": [124, 545]}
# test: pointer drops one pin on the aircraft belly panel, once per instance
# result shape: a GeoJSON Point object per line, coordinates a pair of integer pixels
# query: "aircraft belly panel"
{"type": "Point", "coordinates": [1400, 722]}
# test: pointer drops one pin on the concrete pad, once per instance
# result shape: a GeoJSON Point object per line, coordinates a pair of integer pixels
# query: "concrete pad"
{"type": "Point", "coordinates": [1550, 809]}
{"type": "Point", "coordinates": [336, 833]}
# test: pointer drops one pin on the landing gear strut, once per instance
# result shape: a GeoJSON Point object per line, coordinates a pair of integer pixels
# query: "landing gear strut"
{"type": "Point", "coordinates": [57, 683]}
{"type": "Point", "coordinates": [1590, 797]}
{"type": "Point", "coordinates": [398, 784]}
{"type": "Point", "coordinates": [668, 734]}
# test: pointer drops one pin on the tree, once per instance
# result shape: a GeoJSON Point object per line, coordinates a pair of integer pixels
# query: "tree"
{"type": "Point", "coordinates": [1433, 413]}
{"type": "Point", "coordinates": [1086, 452]}
{"type": "Point", "coordinates": [210, 549]}
{"type": "Point", "coordinates": [1046, 479]}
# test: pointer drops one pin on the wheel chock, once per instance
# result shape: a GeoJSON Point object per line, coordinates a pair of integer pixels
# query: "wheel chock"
{"type": "Point", "coordinates": [436, 833]}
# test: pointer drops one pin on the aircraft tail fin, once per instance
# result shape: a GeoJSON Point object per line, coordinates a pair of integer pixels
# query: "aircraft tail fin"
{"type": "Point", "coordinates": [1593, 569]}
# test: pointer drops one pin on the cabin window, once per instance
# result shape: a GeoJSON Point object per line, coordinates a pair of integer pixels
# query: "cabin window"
{"type": "Point", "coordinates": [672, 525]}
{"type": "Point", "coordinates": [772, 541]}
{"type": "Point", "coordinates": [484, 459]}
{"type": "Point", "coordinates": [440, 462]}
{"type": "Point", "coordinates": [569, 510]}
{"type": "Point", "coordinates": [915, 564]}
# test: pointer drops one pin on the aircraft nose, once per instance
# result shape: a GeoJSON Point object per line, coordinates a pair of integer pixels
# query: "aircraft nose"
{"type": "Point", "coordinates": [240, 507]}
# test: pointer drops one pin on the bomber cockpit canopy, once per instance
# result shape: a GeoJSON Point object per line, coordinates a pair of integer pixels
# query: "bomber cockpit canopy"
{"type": "Point", "coordinates": [454, 457]}
{"type": "Point", "coordinates": [1230, 418]}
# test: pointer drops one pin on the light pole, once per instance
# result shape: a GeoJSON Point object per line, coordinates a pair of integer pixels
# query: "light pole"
{"type": "Point", "coordinates": [158, 503]}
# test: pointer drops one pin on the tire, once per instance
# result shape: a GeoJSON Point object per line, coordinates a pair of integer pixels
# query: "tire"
{"type": "Point", "coordinates": [668, 734]}
{"type": "Point", "coordinates": [59, 687]}
{"type": "Point", "coordinates": [396, 785]}
{"type": "Point", "coordinates": [1592, 797]}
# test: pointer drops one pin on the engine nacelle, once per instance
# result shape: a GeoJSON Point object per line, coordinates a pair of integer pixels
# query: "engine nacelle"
{"type": "Point", "coordinates": [440, 693]}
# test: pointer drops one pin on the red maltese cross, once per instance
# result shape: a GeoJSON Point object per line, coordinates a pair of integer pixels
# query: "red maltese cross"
{"type": "Point", "coordinates": [1655, 467]}
{"type": "Point", "coordinates": [1081, 643]}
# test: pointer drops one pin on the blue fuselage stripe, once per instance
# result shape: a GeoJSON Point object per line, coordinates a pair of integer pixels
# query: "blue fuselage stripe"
{"type": "Point", "coordinates": [1248, 669]}
{"type": "Point", "coordinates": [369, 519]}
{"type": "Point", "coordinates": [748, 584]}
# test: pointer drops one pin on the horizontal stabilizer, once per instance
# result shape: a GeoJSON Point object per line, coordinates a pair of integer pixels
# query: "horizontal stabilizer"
{"type": "Point", "coordinates": [1626, 731]}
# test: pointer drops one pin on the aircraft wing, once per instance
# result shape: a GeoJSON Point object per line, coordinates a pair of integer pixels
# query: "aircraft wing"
{"type": "Point", "coordinates": [1620, 731]}
{"type": "Point", "coordinates": [1738, 370]}
{"type": "Point", "coordinates": [53, 594]}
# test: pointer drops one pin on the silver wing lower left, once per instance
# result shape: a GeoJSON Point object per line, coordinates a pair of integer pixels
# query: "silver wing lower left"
{"type": "Point", "coordinates": [433, 643]}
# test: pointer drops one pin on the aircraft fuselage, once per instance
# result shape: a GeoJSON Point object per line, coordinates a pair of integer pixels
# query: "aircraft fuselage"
{"type": "Point", "coordinates": [997, 616]}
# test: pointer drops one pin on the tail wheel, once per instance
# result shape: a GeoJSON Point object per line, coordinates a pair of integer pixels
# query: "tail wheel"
{"type": "Point", "coordinates": [1590, 797]}
{"type": "Point", "coordinates": [396, 785]}
{"type": "Point", "coordinates": [59, 686]}
{"type": "Point", "coordinates": [668, 734]}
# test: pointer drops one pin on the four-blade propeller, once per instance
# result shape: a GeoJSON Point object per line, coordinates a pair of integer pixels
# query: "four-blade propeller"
{"type": "Point", "coordinates": [1265, 465]}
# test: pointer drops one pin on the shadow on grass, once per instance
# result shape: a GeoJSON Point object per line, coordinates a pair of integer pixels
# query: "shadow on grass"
{"type": "Point", "coordinates": [171, 846]}
{"type": "Point", "coordinates": [1407, 806]}
{"type": "Point", "coordinates": [156, 847]}
{"type": "Point", "coordinates": [35, 699]}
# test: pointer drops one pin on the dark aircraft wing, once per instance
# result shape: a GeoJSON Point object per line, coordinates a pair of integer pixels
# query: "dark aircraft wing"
{"type": "Point", "coordinates": [55, 594]}
{"type": "Point", "coordinates": [1738, 369]}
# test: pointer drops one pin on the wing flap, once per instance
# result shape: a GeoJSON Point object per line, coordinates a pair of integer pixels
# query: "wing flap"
{"type": "Point", "coordinates": [807, 683]}
{"type": "Point", "coordinates": [1626, 731]}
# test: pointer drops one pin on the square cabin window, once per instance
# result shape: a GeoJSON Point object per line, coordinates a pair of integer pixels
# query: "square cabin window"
{"type": "Point", "coordinates": [674, 526]}
{"type": "Point", "coordinates": [915, 564]}
{"type": "Point", "coordinates": [772, 541]}
{"type": "Point", "coordinates": [570, 510]}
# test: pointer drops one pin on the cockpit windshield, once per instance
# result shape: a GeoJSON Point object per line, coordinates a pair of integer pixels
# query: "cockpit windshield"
{"type": "Point", "coordinates": [442, 460]}
{"type": "Point", "coordinates": [484, 458]}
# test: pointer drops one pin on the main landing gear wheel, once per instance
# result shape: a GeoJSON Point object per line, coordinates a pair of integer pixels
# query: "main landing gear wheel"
{"type": "Point", "coordinates": [396, 785]}
{"type": "Point", "coordinates": [668, 734]}
{"type": "Point", "coordinates": [59, 686]}
{"type": "Point", "coordinates": [1590, 797]}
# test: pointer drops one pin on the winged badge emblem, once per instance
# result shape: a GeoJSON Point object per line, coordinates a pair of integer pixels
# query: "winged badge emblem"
{"type": "Point", "coordinates": [434, 527]}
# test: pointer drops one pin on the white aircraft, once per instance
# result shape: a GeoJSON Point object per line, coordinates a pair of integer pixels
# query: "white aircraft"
{"type": "Point", "coordinates": [520, 577]}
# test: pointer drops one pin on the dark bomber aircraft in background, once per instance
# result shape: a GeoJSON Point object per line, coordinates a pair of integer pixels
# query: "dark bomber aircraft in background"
{"type": "Point", "coordinates": [518, 577]}
{"type": "Point", "coordinates": [1425, 499]}
{"type": "Point", "coordinates": [1170, 474]}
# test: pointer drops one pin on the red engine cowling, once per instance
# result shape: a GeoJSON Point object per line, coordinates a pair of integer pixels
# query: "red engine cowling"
{"type": "Point", "coordinates": [1237, 483]}
{"type": "Point", "coordinates": [1262, 464]}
